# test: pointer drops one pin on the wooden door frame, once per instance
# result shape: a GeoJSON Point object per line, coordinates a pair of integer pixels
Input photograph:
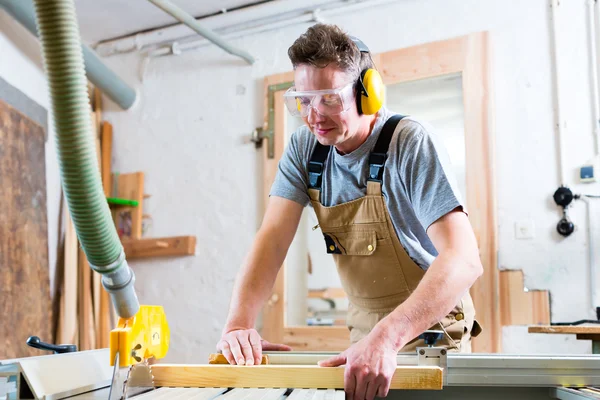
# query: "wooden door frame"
{"type": "Point", "coordinates": [466, 55]}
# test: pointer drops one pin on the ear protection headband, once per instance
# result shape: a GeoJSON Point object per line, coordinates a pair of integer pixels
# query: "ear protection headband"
{"type": "Point", "coordinates": [370, 89]}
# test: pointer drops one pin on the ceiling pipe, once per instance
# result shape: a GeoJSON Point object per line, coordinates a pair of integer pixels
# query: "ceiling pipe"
{"type": "Point", "coordinates": [261, 25]}
{"type": "Point", "coordinates": [97, 72]}
{"type": "Point", "coordinates": [190, 21]}
{"type": "Point", "coordinates": [230, 24]}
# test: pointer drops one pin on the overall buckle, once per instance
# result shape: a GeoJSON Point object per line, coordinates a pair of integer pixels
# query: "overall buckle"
{"type": "Point", "coordinates": [376, 162]}
{"type": "Point", "coordinates": [315, 173]}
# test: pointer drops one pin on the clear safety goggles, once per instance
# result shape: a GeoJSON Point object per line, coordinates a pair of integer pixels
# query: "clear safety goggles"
{"type": "Point", "coordinates": [325, 102]}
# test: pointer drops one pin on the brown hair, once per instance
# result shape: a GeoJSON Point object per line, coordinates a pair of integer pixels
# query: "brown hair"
{"type": "Point", "coordinates": [323, 44]}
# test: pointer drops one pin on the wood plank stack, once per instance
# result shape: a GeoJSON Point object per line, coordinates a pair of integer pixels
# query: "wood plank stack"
{"type": "Point", "coordinates": [85, 313]}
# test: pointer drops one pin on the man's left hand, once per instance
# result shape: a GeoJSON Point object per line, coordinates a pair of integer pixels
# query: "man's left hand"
{"type": "Point", "coordinates": [370, 366]}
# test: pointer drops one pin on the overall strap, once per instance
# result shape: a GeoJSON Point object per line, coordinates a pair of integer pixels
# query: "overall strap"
{"type": "Point", "coordinates": [377, 158]}
{"type": "Point", "coordinates": [316, 165]}
{"type": "Point", "coordinates": [379, 153]}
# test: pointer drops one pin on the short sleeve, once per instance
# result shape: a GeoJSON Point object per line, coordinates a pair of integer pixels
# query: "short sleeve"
{"type": "Point", "coordinates": [428, 176]}
{"type": "Point", "coordinates": [291, 177]}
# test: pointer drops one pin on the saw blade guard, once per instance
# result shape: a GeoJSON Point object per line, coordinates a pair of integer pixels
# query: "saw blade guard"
{"type": "Point", "coordinates": [144, 336]}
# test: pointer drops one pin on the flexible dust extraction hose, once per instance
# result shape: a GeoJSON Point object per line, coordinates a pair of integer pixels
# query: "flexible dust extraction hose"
{"type": "Point", "coordinates": [63, 62]}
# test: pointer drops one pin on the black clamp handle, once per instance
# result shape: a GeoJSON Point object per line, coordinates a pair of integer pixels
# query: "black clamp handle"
{"type": "Point", "coordinates": [430, 337]}
{"type": "Point", "coordinates": [35, 342]}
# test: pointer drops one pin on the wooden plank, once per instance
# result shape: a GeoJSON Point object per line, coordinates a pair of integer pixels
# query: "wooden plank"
{"type": "Point", "coordinates": [104, 312]}
{"type": "Point", "coordinates": [274, 310]}
{"type": "Point", "coordinates": [87, 337]}
{"type": "Point", "coordinates": [25, 305]}
{"type": "Point", "coordinates": [160, 247]}
{"type": "Point", "coordinates": [540, 300]}
{"type": "Point", "coordinates": [98, 108]}
{"type": "Point", "coordinates": [481, 189]}
{"type": "Point", "coordinates": [518, 307]}
{"type": "Point", "coordinates": [283, 376]}
{"type": "Point", "coordinates": [317, 338]}
{"type": "Point", "coordinates": [68, 311]}
{"type": "Point", "coordinates": [569, 329]}
{"type": "Point", "coordinates": [128, 220]}
{"type": "Point", "coordinates": [105, 163]}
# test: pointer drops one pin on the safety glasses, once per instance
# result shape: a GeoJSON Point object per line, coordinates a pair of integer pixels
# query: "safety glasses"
{"type": "Point", "coordinates": [325, 102]}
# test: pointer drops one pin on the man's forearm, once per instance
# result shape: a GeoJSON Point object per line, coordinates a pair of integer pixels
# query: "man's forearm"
{"type": "Point", "coordinates": [254, 282]}
{"type": "Point", "coordinates": [447, 280]}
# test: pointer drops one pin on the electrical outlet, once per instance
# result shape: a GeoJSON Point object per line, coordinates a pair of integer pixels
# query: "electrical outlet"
{"type": "Point", "coordinates": [524, 229]}
{"type": "Point", "coordinates": [589, 171]}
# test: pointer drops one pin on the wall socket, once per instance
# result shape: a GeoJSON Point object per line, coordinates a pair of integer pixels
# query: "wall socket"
{"type": "Point", "coordinates": [524, 229]}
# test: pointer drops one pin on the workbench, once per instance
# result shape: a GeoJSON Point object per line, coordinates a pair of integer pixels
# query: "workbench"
{"type": "Point", "coordinates": [87, 375]}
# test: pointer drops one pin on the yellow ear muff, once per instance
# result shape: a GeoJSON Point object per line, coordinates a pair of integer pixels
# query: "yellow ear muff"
{"type": "Point", "coordinates": [298, 104]}
{"type": "Point", "coordinates": [371, 101]}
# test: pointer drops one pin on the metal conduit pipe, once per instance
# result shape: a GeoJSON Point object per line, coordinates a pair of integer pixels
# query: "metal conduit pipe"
{"type": "Point", "coordinates": [63, 63]}
{"type": "Point", "coordinates": [97, 72]}
{"type": "Point", "coordinates": [190, 21]}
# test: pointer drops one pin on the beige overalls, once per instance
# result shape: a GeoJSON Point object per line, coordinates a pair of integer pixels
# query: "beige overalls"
{"type": "Point", "coordinates": [376, 272]}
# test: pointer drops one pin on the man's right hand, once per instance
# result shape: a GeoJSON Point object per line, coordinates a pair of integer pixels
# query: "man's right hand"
{"type": "Point", "coordinates": [245, 346]}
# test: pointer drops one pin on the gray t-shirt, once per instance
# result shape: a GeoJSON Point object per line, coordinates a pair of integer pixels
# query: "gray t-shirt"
{"type": "Point", "coordinates": [419, 186]}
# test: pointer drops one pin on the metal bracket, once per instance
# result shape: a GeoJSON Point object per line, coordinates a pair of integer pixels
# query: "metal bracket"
{"type": "Point", "coordinates": [268, 133]}
{"type": "Point", "coordinates": [435, 356]}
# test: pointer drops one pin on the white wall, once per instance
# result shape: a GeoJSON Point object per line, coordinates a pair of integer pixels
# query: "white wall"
{"type": "Point", "coordinates": [21, 66]}
{"type": "Point", "coordinates": [186, 133]}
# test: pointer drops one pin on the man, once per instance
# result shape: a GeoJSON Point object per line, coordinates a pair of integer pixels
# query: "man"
{"type": "Point", "coordinates": [388, 209]}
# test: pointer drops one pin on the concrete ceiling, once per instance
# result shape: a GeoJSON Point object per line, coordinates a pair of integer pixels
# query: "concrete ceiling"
{"type": "Point", "coordinates": [101, 20]}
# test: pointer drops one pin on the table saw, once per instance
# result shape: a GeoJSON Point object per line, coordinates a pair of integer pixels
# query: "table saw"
{"type": "Point", "coordinates": [428, 373]}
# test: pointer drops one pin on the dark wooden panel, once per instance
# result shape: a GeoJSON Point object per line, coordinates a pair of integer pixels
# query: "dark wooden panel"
{"type": "Point", "coordinates": [25, 308]}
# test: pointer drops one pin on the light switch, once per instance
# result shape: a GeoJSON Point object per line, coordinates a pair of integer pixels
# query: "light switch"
{"type": "Point", "coordinates": [524, 229]}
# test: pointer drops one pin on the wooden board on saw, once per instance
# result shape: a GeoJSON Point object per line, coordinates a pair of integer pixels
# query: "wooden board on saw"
{"type": "Point", "coordinates": [24, 269]}
{"type": "Point", "coordinates": [518, 307]}
{"type": "Point", "coordinates": [286, 376]}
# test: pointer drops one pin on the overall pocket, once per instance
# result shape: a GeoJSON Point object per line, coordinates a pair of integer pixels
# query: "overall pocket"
{"type": "Point", "coordinates": [368, 267]}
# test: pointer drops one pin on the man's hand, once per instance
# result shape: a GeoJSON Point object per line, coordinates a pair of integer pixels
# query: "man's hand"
{"type": "Point", "coordinates": [245, 346]}
{"type": "Point", "coordinates": [370, 366]}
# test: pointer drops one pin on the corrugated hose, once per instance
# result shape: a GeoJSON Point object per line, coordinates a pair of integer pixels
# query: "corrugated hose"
{"type": "Point", "coordinates": [80, 175]}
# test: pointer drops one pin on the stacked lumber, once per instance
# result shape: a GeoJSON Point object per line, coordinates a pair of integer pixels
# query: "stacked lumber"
{"type": "Point", "coordinates": [86, 315]}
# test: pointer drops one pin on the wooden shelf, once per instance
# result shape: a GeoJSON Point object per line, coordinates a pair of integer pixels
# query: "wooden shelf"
{"type": "Point", "coordinates": [159, 247]}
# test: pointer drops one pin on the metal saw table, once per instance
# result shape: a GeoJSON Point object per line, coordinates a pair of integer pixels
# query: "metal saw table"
{"type": "Point", "coordinates": [87, 375]}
